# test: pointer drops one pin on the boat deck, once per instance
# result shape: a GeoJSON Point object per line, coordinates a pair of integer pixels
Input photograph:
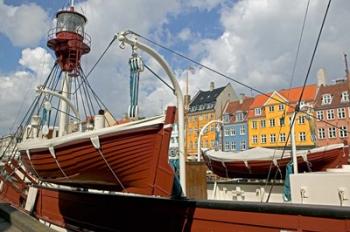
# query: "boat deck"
{"type": "Point", "coordinates": [13, 220]}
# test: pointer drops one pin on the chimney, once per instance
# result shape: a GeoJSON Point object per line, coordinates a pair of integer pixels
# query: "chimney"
{"type": "Point", "coordinates": [187, 100]}
{"type": "Point", "coordinates": [241, 98]}
{"type": "Point", "coordinates": [338, 81]}
{"type": "Point", "coordinates": [212, 86]}
{"type": "Point", "coordinates": [321, 77]}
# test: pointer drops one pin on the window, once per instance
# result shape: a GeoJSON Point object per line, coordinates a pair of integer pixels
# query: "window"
{"type": "Point", "coordinates": [226, 131]}
{"type": "Point", "coordinates": [326, 99]}
{"type": "Point", "coordinates": [302, 136]}
{"type": "Point", "coordinates": [243, 145]}
{"type": "Point", "coordinates": [330, 114]}
{"type": "Point", "coordinates": [332, 133]}
{"type": "Point", "coordinates": [239, 116]}
{"type": "Point", "coordinates": [271, 108]}
{"type": "Point", "coordinates": [282, 123]}
{"type": "Point", "coordinates": [233, 146]}
{"type": "Point", "coordinates": [263, 123]}
{"type": "Point", "coordinates": [257, 111]}
{"type": "Point", "coordinates": [280, 107]}
{"type": "Point", "coordinates": [301, 119]}
{"type": "Point", "coordinates": [212, 142]}
{"type": "Point", "coordinates": [272, 122]}
{"type": "Point", "coordinates": [227, 146]}
{"type": "Point", "coordinates": [242, 130]}
{"type": "Point", "coordinates": [341, 113]}
{"type": "Point", "coordinates": [255, 124]}
{"type": "Point", "coordinates": [283, 137]}
{"type": "Point", "coordinates": [263, 138]}
{"type": "Point", "coordinates": [272, 138]}
{"type": "Point", "coordinates": [343, 132]}
{"type": "Point", "coordinates": [321, 133]}
{"type": "Point", "coordinates": [345, 96]}
{"type": "Point", "coordinates": [255, 139]}
{"type": "Point", "coordinates": [319, 115]}
{"type": "Point", "coordinates": [232, 131]}
{"type": "Point", "coordinates": [226, 118]}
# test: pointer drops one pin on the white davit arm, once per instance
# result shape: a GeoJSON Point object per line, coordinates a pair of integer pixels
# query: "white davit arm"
{"type": "Point", "coordinates": [123, 38]}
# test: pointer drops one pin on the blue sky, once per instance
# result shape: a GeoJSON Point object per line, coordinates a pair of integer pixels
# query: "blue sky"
{"type": "Point", "coordinates": [204, 23]}
{"type": "Point", "coordinates": [253, 41]}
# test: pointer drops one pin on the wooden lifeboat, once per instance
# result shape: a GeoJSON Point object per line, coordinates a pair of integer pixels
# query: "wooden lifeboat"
{"type": "Point", "coordinates": [256, 163]}
{"type": "Point", "coordinates": [131, 157]}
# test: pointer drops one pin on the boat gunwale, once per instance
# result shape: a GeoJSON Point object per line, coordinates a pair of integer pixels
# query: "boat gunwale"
{"type": "Point", "coordinates": [77, 137]}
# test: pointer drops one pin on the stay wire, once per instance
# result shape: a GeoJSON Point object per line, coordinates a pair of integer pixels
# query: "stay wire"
{"type": "Point", "coordinates": [313, 54]}
{"type": "Point", "coordinates": [304, 85]}
{"type": "Point", "coordinates": [155, 74]}
{"type": "Point", "coordinates": [229, 78]}
{"type": "Point", "coordinates": [290, 86]}
{"type": "Point", "coordinates": [98, 61]}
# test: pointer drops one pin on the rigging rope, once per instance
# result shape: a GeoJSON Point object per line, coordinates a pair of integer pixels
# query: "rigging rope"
{"type": "Point", "coordinates": [228, 77]}
{"type": "Point", "coordinates": [159, 78]}
{"type": "Point", "coordinates": [297, 109]}
{"type": "Point", "coordinates": [98, 61]}
{"type": "Point", "coordinates": [290, 86]}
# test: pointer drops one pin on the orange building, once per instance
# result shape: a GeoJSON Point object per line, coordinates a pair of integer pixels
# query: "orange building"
{"type": "Point", "coordinates": [269, 118]}
{"type": "Point", "coordinates": [206, 106]}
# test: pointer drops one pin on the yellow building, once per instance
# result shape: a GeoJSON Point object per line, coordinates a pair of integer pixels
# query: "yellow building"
{"type": "Point", "coordinates": [205, 106]}
{"type": "Point", "coordinates": [269, 119]}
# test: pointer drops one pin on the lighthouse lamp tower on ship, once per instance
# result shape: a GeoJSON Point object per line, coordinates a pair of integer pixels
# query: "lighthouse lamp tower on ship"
{"type": "Point", "coordinates": [69, 41]}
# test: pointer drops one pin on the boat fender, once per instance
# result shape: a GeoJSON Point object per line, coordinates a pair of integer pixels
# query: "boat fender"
{"type": "Point", "coordinates": [274, 161]}
{"type": "Point", "coordinates": [95, 142]}
{"type": "Point", "coordinates": [27, 151]}
{"type": "Point", "coordinates": [52, 152]}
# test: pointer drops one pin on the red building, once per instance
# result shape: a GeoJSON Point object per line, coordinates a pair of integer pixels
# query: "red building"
{"type": "Point", "coordinates": [332, 109]}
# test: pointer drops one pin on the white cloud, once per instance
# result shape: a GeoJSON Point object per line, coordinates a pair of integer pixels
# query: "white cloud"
{"type": "Point", "coordinates": [185, 34]}
{"type": "Point", "coordinates": [257, 47]}
{"type": "Point", "coordinates": [204, 4]}
{"type": "Point", "coordinates": [38, 60]}
{"type": "Point", "coordinates": [24, 25]}
{"type": "Point", "coordinates": [260, 38]}
{"type": "Point", "coordinates": [17, 89]}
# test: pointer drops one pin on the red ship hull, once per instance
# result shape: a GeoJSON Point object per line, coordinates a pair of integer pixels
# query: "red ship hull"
{"type": "Point", "coordinates": [135, 213]}
{"type": "Point", "coordinates": [133, 161]}
{"type": "Point", "coordinates": [259, 169]}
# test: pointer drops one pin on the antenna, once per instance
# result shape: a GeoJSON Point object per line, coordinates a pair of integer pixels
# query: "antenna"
{"type": "Point", "coordinates": [346, 64]}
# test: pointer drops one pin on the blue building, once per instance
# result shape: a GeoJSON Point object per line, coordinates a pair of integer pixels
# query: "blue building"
{"type": "Point", "coordinates": [235, 129]}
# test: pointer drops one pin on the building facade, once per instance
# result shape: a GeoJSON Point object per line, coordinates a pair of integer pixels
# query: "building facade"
{"type": "Point", "coordinates": [332, 110]}
{"type": "Point", "coordinates": [235, 129]}
{"type": "Point", "coordinates": [206, 106]}
{"type": "Point", "coordinates": [270, 117]}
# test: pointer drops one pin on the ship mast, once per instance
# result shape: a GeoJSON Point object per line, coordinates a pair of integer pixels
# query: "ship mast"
{"type": "Point", "coordinates": [69, 42]}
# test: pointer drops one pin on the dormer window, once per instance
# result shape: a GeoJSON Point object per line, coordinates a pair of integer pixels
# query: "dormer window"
{"type": "Point", "coordinates": [257, 111]}
{"type": "Point", "coordinates": [239, 116]}
{"type": "Point", "coordinates": [226, 118]}
{"type": "Point", "coordinates": [345, 96]}
{"type": "Point", "coordinates": [326, 99]}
